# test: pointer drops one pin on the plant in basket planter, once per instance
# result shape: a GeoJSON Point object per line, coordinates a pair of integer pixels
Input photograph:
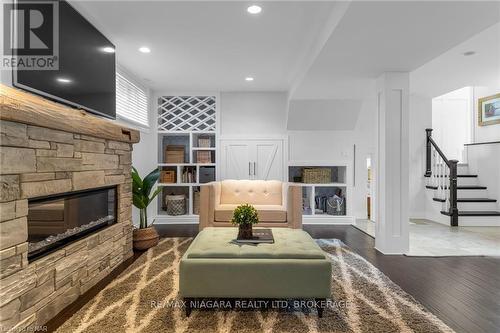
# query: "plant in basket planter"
{"type": "Point", "coordinates": [145, 236]}
{"type": "Point", "coordinates": [245, 216]}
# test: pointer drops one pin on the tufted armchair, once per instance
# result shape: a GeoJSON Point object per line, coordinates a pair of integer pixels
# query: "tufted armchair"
{"type": "Point", "coordinates": [278, 204]}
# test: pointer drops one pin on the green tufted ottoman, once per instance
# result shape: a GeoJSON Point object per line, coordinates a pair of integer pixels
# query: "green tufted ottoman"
{"type": "Point", "coordinates": [215, 267]}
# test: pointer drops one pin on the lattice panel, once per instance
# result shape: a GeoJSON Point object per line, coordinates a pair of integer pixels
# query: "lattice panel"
{"type": "Point", "coordinates": [186, 113]}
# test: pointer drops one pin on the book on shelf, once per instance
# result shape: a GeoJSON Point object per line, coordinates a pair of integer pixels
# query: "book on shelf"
{"type": "Point", "coordinates": [188, 176]}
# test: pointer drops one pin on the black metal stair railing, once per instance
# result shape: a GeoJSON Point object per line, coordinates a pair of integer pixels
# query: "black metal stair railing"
{"type": "Point", "coordinates": [442, 175]}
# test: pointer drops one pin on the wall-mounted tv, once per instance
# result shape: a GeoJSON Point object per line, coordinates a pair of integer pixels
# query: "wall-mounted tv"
{"type": "Point", "coordinates": [86, 75]}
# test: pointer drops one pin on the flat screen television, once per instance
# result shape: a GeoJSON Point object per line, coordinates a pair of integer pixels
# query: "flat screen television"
{"type": "Point", "coordinates": [86, 75]}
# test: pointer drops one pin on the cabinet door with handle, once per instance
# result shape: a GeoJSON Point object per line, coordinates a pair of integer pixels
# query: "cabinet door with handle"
{"type": "Point", "coordinates": [251, 159]}
{"type": "Point", "coordinates": [267, 163]}
{"type": "Point", "coordinates": [235, 160]}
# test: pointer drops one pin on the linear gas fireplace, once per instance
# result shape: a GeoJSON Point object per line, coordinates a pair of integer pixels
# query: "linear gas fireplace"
{"type": "Point", "coordinates": [58, 220]}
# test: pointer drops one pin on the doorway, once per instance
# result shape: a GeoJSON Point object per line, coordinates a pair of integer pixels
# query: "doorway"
{"type": "Point", "coordinates": [367, 225]}
{"type": "Point", "coordinates": [369, 201]}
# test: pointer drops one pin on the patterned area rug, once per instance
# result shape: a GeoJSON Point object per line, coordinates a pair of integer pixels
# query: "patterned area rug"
{"type": "Point", "coordinates": [143, 298]}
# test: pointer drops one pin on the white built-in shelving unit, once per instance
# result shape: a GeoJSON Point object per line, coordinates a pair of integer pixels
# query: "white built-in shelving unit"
{"type": "Point", "coordinates": [313, 213]}
{"type": "Point", "coordinates": [182, 120]}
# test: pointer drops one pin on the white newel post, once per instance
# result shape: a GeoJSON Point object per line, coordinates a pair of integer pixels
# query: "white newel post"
{"type": "Point", "coordinates": [392, 174]}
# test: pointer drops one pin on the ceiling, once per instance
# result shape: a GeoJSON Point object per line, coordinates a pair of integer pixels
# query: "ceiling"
{"type": "Point", "coordinates": [375, 37]}
{"type": "Point", "coordinates": [313, 49]}
{"type": "Point", "coordinates": [208, 45]}
{"type": "Point", "coordinates": [452, 70]}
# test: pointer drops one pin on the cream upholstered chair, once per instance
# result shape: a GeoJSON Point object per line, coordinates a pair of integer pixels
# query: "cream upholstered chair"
{"type": "Point", "coordinates": [278, 204]}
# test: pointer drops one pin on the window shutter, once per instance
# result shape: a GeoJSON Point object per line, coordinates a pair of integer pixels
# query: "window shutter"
{"type": "Point", "coordinates": [131, 101]}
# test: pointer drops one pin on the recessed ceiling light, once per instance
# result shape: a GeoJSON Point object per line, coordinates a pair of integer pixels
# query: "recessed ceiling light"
{"type": "Point", "coordinates": [144, 49]}
{"type": "Point", "coordinates": [249, 78]}
{"type": "Point", "coordinates": [108, 49]}
{"type": "Point", "coordinates": [63, 80]}
{"type": "Point", "coordinates": [469, 53]}
{"type": "Point", "coordinates": [254, 9]}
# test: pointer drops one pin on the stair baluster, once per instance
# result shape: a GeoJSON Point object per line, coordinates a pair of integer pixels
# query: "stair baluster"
{"type": "Point", "coordinates": [440, 177]}
{"type": "Point", "coordinates": [443, 174]}
{"type": "Point", "coordinates": [453, 193]}
{"type": "Point", "coordinates": [434, 168]}
{"type": "Point", "coordinates": [447, 194]}
{"type": "Point", "coordinates": [428, 152]}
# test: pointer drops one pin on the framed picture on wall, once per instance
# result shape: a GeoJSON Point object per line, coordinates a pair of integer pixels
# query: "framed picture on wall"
{"type": "Point", "coordinates": [489, 110]}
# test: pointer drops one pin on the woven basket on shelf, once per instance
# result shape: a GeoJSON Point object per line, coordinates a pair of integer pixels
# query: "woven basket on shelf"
{"type": "Point", "coordinates": [316, 175]}
{"type": "Point", "coordinates": [176, 204]}
{"type": "Point", "coordinates": [203, 156]}
{"type": "Point", "coordinates": [167, 176]}
{"type": "Point", "coordinates": [204, 142]}
{"type": "Point", "coordinates": [174, 154]}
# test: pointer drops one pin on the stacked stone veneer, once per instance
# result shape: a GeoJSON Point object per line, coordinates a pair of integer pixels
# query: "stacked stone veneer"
{"type": "Point", "coordinates": [38, 161]}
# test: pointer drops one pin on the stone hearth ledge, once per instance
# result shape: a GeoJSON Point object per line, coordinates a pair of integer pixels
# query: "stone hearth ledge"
{"type": "Point", "coordinates": [47, 148]}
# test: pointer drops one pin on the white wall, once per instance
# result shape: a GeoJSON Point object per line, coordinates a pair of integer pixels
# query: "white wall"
{"type": "Point", "coordinates": [452, 122]}
{"type": "Point", "coordinates": [365, 140]}
{"type": "Point", "coordinates": [323, 114]}
{"type": "Point", "coordinates": [487, 133]}
{"type": "Point", "coordinates": [327, 146]}
{"type": "Point", "coordinates": [338, 147]}
{"type": "Point", "coordinates": [253, 114]}
{"type": "Point", "coordinates": [420, 119]}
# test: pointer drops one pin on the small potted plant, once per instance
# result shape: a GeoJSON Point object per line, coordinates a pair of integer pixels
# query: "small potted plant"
{"type": "Point", "coordinates": [245, 216]}
{"type": "Point", "coordinates": [145, 236]}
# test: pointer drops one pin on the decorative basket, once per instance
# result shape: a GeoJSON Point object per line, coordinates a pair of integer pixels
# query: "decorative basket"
{"type": "Point", "coordinates": [204, 142]}
{"type": "Point", "coordinates": [144, 239]}
{"type": "Point", "coordinates": [167, 176]}
{"type": "Point", "coordinates": [203, 157]}
{"type": "Point", "coordinates": [176, 204]}
{"type": "Point", "coordinates": [174, 154]}
{"type": "Point", "coordinates": [316, 175]}
{"type": "Point", "coordinates": [335, 206]}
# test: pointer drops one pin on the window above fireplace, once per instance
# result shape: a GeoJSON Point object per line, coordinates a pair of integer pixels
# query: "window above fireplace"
{"type": "Point", "coordinates": [58, 220]}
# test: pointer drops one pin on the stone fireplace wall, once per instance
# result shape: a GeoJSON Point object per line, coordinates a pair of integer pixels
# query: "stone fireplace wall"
{"type": "Point", "coordinates": [38, 161]}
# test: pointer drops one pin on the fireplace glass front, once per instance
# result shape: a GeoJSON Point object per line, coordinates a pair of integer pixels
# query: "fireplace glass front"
{"type": "Point", "coordinates": [56, 221]}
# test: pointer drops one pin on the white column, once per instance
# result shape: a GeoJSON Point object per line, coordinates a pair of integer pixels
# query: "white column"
{"type": "Point", "coordinates": [392, 164]}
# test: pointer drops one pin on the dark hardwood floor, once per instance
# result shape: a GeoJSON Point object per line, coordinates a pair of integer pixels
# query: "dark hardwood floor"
{"type": "Point", "coordinates": [464, 292]}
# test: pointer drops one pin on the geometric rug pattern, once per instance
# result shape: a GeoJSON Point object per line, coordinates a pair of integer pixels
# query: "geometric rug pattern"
{"type": "Point", "coordinates": [144, 298]}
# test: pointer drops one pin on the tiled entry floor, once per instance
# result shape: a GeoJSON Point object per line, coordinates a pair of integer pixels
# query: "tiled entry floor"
{"type": "Point", "coordinates": [428, 238]}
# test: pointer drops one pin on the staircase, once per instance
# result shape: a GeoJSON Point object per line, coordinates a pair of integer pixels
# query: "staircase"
{"type": "Point", "coordinates": [455, 192]}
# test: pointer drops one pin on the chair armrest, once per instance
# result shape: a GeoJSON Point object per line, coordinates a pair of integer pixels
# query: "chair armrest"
{"type": "Point", "coordinates": [294, 207]}
{"type": "Point", "coordinates": [207, 204]}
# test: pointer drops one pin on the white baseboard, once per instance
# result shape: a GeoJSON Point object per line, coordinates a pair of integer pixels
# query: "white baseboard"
{"type": "Point", "coordinates": [176, 220]}
{"type": "Point", "coordinates": [333, 220]}
{"type": "Point", "coordinates": [417, 215]}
